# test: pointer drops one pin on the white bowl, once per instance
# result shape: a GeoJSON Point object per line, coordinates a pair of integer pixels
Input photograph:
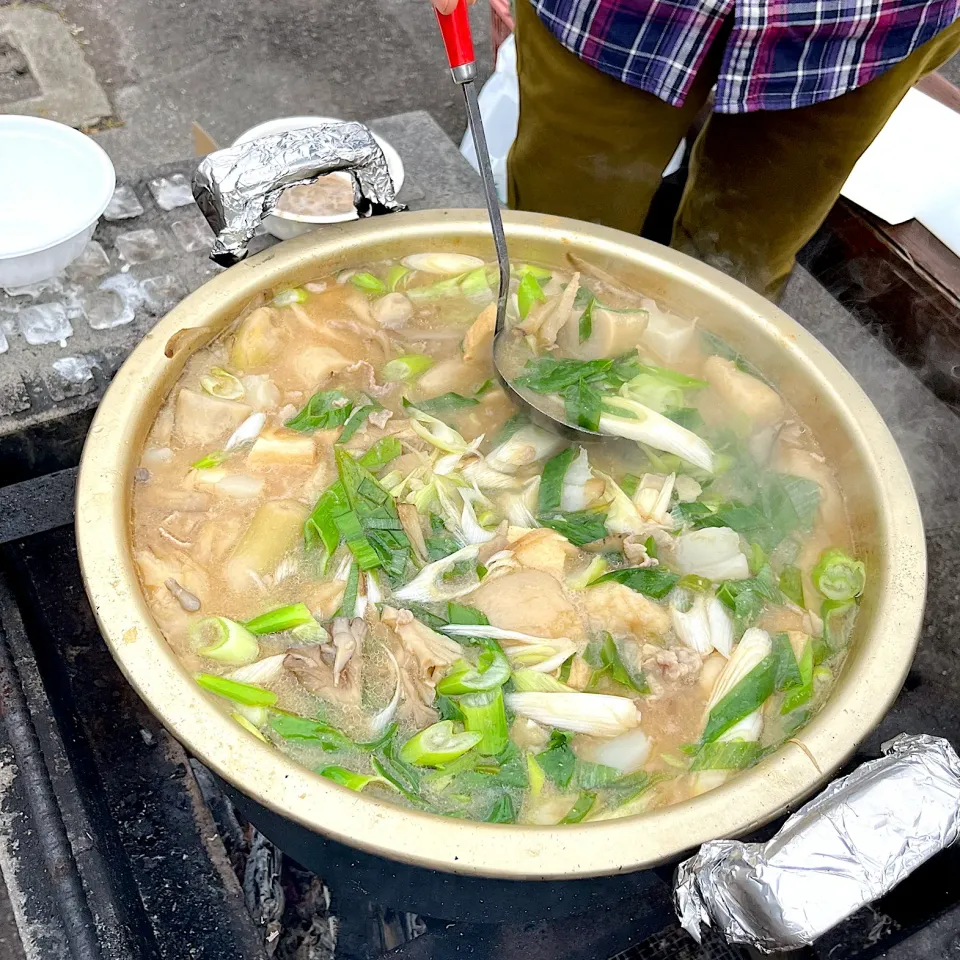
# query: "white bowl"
{"type": "Point", "coordinates": [284, 225]}
{"type": "Point", "coordinates": [54, 184]}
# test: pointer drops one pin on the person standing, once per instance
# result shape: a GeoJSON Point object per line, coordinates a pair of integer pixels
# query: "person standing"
{"type": "Point", "coordinates": [608, 88]}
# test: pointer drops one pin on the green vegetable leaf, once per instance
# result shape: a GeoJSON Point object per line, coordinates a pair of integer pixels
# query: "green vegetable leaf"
{"type": "Point", "coordinates": [324, 410]}
{"type": "Point", "coordinates": [581, 808]}
{"type": "Point", "coordinates": [604, 656]}
{"type": "Point", "coordinates": [791, 584]}
{"type": "Point", "coordinates": [503, 811]}
{"type": "Point", "coordinates": [558, 761]}
{"type": "Point", "coordinates": [551, 480]}
{"type": "Point", "coordinates": [583, 405]}
{"type": "Point", "coordinates": [579, 527]}
{"type": "Point", "coordinates": [591, 776]}
{"type": "Point", "coordinates": [381, 453]}
{"type": "Point", "coordinates": [462, 614]}
{"type": "Point", "coordinates": [687, 417]}
{"type": "Point", "coordinates": [445, 403]}
{"type": "Point", "coordinates": [735, 755]}
{"type": "Point", "coordinates": [586, 320]}
{"type": "Point", "coordinates": [653, 582]}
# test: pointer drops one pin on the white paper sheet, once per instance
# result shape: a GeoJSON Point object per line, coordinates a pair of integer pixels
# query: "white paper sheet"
{"type": "Point", "coordinates": [912, 169]}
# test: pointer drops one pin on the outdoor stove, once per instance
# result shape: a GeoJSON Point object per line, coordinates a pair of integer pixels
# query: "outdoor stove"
{"type": "Point", "coordinates": [115, 845]}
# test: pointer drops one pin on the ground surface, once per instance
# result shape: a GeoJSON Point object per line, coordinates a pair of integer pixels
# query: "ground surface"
{"type": "Point", "coordinates": [230, 64]}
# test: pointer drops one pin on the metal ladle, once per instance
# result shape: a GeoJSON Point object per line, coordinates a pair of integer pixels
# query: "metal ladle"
{"type": "Point", "coordinates": [458, 41]}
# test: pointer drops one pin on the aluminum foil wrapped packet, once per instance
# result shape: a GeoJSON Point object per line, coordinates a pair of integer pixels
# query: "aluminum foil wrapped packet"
{"type": "Point", "coordinates": [239, 186]}
{"type": "Point", "coordinates": [850, 845]}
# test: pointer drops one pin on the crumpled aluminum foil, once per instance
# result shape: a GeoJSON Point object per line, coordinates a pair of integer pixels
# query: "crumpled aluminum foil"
{"type": "Point", "coordinates": [239, 186]}
{"type": "Point", "coordinates": [845, 848]}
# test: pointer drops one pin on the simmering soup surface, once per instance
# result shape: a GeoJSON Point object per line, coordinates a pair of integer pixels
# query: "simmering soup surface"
{"type": "Point", "coordinates": [363, 553]}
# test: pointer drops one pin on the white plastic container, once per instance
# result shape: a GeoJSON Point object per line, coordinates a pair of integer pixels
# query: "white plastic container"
{"type": "Point", "coordinates": [54, 184]}
{"type": "Point", "coordinates": [283, 224]}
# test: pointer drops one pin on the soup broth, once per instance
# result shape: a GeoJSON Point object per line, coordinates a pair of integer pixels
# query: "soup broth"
{"type": "Point", "coordinates": [369, 559]}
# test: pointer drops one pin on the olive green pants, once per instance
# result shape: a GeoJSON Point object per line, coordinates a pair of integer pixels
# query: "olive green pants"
{"type": "Point", "coordinates": [760, 184]}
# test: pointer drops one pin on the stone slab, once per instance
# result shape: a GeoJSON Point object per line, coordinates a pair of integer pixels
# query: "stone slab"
{"type": "Point", "coordinates": [69, 91]}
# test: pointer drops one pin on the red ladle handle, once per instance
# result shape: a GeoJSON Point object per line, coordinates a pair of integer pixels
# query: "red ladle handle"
{"type": "Point", "coordinates": [458, 41]}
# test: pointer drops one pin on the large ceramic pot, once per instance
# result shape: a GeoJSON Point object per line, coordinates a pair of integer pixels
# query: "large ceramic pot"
{"type": "Point", "coordinates": [449, 867]}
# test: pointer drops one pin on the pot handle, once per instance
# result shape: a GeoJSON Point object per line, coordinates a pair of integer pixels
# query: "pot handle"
{"type": "Point", "coordinates": [238, 187]}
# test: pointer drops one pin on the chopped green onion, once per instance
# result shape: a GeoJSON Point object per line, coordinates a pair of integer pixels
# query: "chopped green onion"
{"type": "Point", "coordinates": [222, 384]}
{"type": "Point", "coordinates": [629, 484]}
{"type": "Point", "coordinates": [369, 283]}
{"type": "Point", "coordinates": [438, 745]}
{"type": "Point", "coordinates": [653, 582]}
{"type": "Point", "coordinates": [248, 726]}
{"type": "Point", "coordinates": [538, 273]}
{"type": "Point", "coordinates": [352, 780]}
{"type": "Point", "coordinates": [838, 617]}
{"type": "Point", "coordinates": [777, 671]}
{"type": "Point", "coordinates": [348, 606]}
{"type": "Point", "coordinates": [407, 367]}
{"type": "Point", "coordinates": [484, 713]}
{"type": "Point", "coordinates": [490, 673]}
{"type": "Point", "coordinates": [225, 640]}
{"type": "Point", "coordinates": [210, 460]}
{"type": "Point", "coordinates": [290, 726]}
{"type": "Point", "coordinates": [791, 584]}
{"type": "Point", "coordinates": [320, 525]}
{"type": "Point", "coordinates": [357, 419]}
{"type": "Point", "coordinates": [528, 293]}
{"type": "Point", "coordinates": [531, 681]}
{"type": "Point", "coordinates": [801, 694]}
{"type": "Point", "coordinates": [596, 569]}
{"type": "Point", "coordinates": [248, 694]}
{"type": "Point", "coordinates": [290, 296]}
{"type": "Point", "coordinates": [475, 282]}
{"type": "Point", "coordinates": [395, 275]}
{"type": "Point", "coordinates": [581, 808]}
{"type": "Point", "coordinates": [283, 618]}
{"type": "Point", "coordinates": [352, 531]}
{"type": "Point", "coordinates": [326, 409]}
{"type": "Point", "coordinates": [381, 453]}
{"type": "Point", "coordinates": [838, 576]}
{"type": "Point", "coordinates": [535, 775]}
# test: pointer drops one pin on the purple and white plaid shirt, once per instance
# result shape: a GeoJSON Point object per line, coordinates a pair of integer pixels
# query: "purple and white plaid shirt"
{"type": "Point", "coordinates": [781, 54]}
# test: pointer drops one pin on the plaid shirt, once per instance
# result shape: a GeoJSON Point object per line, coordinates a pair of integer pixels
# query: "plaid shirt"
{"type": "Point", "coordinates": [781, 54]}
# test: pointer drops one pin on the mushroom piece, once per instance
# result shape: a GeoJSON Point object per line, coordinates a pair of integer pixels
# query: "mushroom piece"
{"type": "Point", "coordinates": [393, 310]}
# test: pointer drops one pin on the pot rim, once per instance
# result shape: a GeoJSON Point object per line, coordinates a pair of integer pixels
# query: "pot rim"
{"type": "Point", "coordinates": [862, 694]}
